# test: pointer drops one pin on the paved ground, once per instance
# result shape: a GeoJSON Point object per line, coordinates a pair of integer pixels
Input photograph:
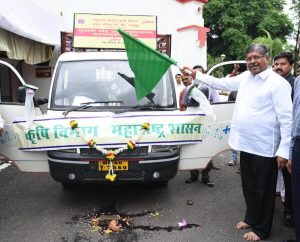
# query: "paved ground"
{"type": "Point", "coordinates": [35, 208]}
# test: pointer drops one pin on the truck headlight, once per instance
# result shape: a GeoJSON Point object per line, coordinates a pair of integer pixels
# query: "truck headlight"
{"type": "Point", "coordinates": [163, 148]}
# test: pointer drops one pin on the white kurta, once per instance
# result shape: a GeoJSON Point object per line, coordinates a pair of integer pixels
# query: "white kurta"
{"type": "Point", "coordinates": [262, 117]}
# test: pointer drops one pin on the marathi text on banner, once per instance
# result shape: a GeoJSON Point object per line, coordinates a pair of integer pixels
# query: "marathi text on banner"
{"type": "Point", "coordinates": [56, 133]}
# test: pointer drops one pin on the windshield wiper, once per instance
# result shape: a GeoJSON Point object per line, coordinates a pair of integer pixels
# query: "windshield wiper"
{"type": "Point", "coordinates": [130, 80]}
{"type": "Point", "coordinates": [153, 107]}
{"type": "Point", "coordinates": [88, 105]}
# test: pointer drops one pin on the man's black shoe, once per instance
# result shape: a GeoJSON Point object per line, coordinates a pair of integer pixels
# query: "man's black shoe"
{"type": "Point", "coordinates": [191, 179]}
{"type": "Point", "coordinates": [210, 184]}
{"type": "Point", "coordinates": [207, 182]}
{"type": "Point", "coordinates": [289, 240]}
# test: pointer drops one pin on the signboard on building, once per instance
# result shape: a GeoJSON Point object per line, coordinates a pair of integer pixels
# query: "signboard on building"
{"type": "Point", "coordinates": [99, 31]}
{"type": "Point", "coordinates": [43, 72]}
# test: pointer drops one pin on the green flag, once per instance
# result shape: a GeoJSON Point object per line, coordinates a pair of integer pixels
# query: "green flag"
{"type": "Point", "coordinates": [147, 64]}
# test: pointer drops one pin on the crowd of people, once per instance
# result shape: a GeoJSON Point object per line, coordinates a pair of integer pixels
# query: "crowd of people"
{"type": "Point", "coordinates": [265, 130]}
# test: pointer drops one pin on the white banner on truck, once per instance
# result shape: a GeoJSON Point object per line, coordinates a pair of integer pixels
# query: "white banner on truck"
{"type": "Point", "coordinates": [58, 133]}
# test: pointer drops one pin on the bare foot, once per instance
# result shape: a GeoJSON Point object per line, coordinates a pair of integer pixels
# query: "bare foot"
{"type": "Point", "coordinates": [242, 225]}
{"type": "Point", "coordinates": [251, 236]}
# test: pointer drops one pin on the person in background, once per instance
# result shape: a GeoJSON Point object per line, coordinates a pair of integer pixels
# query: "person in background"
{"type": "Point", "coordinates": [1, 125]}
{"type": "Point", "coordinates": [232, 97]}
{"type": "Point", "coordinates": [179, 89]}
{"type": "Point", "coordinates": [187, 81]}
{"type": "Point", "coordinates": [283, 65]}
{"type": "Point", "coordinates": [294, 162]}
{"type": "Point", "coordinates": [186, 101]}
{"type": "Point", "coordinates": [179, 85]}
{"type": "Point", "coordinates": [261, 131]}
{"type": "Point", "coordinates": [298, 70]}
{"type": "Point", "coordinates": [234, 153]}
{"type": "Point", "coordinates": [212, 96]}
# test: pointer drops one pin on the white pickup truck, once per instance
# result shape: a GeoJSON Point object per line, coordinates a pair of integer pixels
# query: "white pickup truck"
{"type": "Point", "coordinates": [97, 88]}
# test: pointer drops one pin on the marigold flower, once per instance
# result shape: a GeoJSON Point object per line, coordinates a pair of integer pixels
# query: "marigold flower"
{"type": "Point", "coordinates": [131, 144]}
{"type": "Point", "coordinates": [110, 155]}
{"type": "Point", "coordinates": [145, 126]}
{"type": "Point", "coordinates": [110, 177]}
{"type": "Point", "coordinates": [91, 143]}
{"type": "Point", "coordinates": [73, 124]}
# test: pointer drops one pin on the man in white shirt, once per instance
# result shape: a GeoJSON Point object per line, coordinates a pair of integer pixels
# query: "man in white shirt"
{"type": "Point", "coordinates": [261, 130]}
{"type": "Point", "coordinates": [179, 85]}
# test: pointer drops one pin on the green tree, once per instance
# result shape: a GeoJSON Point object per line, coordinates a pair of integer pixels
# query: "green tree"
{"type": "Point", "coordinates": [234, 24]}
{"type": "Point", "coordinates": [274, 45]}
{"type": "Point", "coordinates": [211, 61]}
{"type": "Point", "coordinates": [296, 18]}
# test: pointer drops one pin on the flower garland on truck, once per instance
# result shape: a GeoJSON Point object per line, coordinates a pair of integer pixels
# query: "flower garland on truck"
{"type": "Point", "coordinates": [110, 155]}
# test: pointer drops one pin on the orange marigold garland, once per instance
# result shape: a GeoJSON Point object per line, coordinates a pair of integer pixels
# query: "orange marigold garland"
{"type": "Point", "coordinates": [110, 155]}
{"type": "Point", "coordinates": [131, 145]}
{"type": "Point", "coordinates": [110, 177]}
{"type": "Point", "coordinates": [145, 126]}
{"type": "Point", "coordinates": [91, 143]}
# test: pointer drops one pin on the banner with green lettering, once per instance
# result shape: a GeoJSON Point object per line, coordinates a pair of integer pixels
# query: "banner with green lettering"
{"type": "Point", "coordinates": [50, 133]}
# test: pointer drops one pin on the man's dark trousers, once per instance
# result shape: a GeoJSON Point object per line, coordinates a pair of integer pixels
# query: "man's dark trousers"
{"type": "Point", "coordinates": [296, 186]}
{"type": "Point", "coordinates": [288, 202]}
{"type": "Point", "coordinates": [259, 177]}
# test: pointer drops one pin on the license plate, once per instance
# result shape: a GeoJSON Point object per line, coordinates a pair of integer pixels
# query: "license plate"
{"type": "Point", "coordinates": [120, 165]}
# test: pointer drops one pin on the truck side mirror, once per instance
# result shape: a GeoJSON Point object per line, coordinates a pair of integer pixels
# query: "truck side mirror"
{"type": "Point", "coordinates": [37, 101]}
{"type": "Point", "coordinates": [40, 101]}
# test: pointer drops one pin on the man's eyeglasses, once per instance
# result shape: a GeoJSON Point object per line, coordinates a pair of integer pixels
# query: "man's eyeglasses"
{"type": "Point", "coordinates": [255, 58]}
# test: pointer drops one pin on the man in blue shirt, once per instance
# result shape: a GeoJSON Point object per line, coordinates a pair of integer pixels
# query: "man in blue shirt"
{"type": "Point", "coordinates": [294, 162]}
{"type": "Point", "coordinates": [283, 64]}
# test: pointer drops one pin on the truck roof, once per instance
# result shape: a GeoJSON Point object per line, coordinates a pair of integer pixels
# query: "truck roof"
{"type": "Point", "coordinates": [95, 55]}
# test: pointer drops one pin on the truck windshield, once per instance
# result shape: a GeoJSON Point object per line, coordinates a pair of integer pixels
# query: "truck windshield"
{"type": "Point", "coordinates": [108, 83]}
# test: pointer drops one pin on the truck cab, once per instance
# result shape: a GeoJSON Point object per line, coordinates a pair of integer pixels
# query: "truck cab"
{"type": "Point", "coordinates": [99, 86]}
{"type": "Point", "coordinates": [101, 83]}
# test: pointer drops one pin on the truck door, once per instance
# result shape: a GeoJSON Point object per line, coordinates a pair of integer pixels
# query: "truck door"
{"type": "Point", "coordinates": [214, 139]}
{"type": "Point", "coordinates": [214, 136]}
{"type": "Point", "coordinates": [26, 161]}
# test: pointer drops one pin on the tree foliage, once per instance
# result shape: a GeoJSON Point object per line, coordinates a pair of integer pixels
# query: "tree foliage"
{"type": "Point", "coordinates": [234, 24]}
{"type": "Point", "coordinates": [275, 45]}
{"type": "Point", "coordinates": [296, 18]}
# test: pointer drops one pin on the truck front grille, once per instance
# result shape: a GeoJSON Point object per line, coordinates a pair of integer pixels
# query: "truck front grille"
{"type": "Point", "coordinates": [121, 175]}
{"type": "Point", "coordinates": [143, 150]}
